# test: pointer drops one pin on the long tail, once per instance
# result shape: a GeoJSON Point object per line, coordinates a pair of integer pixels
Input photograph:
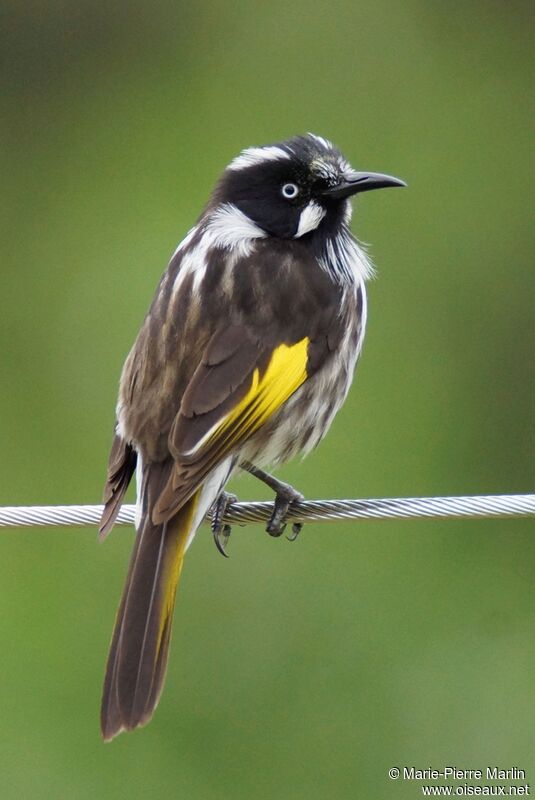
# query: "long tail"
{"type": "Point", "coordinates": [139, 649]}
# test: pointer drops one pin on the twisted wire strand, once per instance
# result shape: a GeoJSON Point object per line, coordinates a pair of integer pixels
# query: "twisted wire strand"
{"type": "Point", "coordinates": [519, 505]}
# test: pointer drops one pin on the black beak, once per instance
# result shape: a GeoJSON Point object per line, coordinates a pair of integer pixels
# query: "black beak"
{"type": "Point", "coordinates": [353, 182]}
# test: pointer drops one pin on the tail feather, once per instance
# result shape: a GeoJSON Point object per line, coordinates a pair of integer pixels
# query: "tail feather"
{"type": "Point", "coordinates": [140, 644]}
{"type": "Point", "coordinates": [137, 660]}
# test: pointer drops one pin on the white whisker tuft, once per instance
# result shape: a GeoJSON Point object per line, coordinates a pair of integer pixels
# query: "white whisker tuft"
{"type": "Point", "coordinates": [309, 218]}
{"type": "Point", "coordinates": [345, 259]}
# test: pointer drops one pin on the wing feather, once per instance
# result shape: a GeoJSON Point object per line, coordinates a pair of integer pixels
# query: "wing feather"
{"type": "Point", "coordinates": [121, 467]}
{"type": "Point", "coordinates": [238, 386]}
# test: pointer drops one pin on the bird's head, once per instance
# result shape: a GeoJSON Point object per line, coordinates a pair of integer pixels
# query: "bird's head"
{"type": "Point", "coordinates": [290, 189]}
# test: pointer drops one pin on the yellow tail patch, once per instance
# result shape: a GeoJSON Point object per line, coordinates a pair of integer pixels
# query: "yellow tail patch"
{"type": "Point", "coordinates": [174, 559]}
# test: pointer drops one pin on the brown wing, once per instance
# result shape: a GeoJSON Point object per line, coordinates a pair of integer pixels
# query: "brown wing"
{"type": "Point", "coordinates": [239, 384]}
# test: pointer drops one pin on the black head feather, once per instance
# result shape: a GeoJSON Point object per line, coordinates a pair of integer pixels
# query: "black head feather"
{"type": "Point", "coordinates": [255, 183]}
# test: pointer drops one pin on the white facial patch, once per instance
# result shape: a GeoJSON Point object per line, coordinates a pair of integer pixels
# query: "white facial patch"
{"type": "Point", "coordinates": [257, 155]}
{"type": "Point", "coordinates": [310, 218]}
{"type": "Point", "coordinates": [230, 228]}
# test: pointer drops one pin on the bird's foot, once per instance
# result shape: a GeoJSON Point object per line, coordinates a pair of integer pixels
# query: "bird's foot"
{"type": "Point", "coordinates": [285, 496]}
{"type": "Point", "coordinates": [221, 531]}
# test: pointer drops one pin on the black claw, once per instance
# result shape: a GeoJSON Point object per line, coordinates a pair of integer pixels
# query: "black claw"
{"type": "Point", "coordinates": [221, 538]}
{"type": "Point", "coordinates": [297, 527]}
{"type": "Point", "coordinates": [221, 532]}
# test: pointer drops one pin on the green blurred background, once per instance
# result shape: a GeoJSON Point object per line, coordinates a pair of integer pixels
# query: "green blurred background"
{"type": "Point", "coordinates": [304, 670]}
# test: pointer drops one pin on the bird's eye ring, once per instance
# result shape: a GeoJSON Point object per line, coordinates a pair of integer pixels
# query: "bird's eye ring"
{"type": "Point", "coordinates": [290, 191]}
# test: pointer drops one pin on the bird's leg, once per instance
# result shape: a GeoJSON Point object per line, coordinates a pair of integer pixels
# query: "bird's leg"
{"type": "Point", "coordinates": [285, 495]}
{"type": "Point", "coordinates": [220, 531]}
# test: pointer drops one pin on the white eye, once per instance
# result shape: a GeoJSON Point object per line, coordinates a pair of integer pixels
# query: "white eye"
{"type": "Point", "coordinates": [290, 190]}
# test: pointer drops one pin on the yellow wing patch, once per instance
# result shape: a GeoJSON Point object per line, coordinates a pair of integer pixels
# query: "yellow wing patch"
{"type": "Point", "coordinates": [285, 373]}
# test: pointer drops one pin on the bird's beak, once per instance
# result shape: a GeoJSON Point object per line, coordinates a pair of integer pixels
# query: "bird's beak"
{"type": "Point", "coordinates": [353, 182]}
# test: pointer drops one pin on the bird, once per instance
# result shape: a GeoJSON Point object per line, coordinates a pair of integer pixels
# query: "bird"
{"type": "Point", "coordinates": [245, 356]}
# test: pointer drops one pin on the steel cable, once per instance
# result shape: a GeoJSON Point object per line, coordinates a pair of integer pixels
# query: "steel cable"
{"type": "Point", "coordinates": [519, 505]}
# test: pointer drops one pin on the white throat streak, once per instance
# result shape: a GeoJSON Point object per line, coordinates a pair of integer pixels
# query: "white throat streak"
{"type": "Point", "coordinates": [345, 259]}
